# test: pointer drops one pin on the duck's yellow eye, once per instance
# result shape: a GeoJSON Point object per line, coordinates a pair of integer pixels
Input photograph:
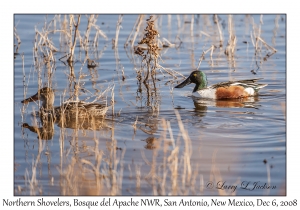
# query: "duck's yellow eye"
{"type": "Point", "coordinates": [195, 75]}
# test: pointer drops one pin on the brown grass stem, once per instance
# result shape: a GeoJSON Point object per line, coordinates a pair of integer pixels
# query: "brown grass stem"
{"type": "Point", "coordinates": [187, 144]}
{"type": "Point", "coordinates": [73, 44]}
{"type": "Point", "coordinates": [211, 49]}
{"type": "Point", "coordinates": [216, 20]}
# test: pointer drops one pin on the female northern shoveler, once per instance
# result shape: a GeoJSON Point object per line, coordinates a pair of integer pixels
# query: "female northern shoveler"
{"type": "Point", "coordinates": [69, 108]}
{"type": "Point", "coordinates": [222, 90]}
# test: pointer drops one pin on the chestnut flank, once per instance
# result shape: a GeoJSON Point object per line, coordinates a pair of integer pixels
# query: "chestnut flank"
{"type": "Point", "coordinates": [231, 92]}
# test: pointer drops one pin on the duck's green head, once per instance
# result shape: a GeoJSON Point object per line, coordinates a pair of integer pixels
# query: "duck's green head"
{"type": "Point", "coordinates": [197, 77]}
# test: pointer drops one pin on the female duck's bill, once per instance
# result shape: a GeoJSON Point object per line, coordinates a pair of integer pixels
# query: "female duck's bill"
{"type": "Point", "coordinates": [43, 94]}
{"type": "Point", "coordinates": [31, 99]}
{"type": "Point", "coordinates": [46, 95]}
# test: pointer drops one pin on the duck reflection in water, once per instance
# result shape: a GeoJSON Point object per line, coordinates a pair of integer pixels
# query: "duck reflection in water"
{"type": "Point", "coordinates": [151, 143]}
{"type": "Point", "coordinates": [46, 132]}
{"type": "Point", "coordinates": [71, 114]}
{"type": "Point", "coordinates": [202, 104]}
{"type": "Point", "coordinates": [250, 102]}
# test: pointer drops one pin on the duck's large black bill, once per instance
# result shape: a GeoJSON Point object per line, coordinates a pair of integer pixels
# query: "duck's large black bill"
{"type": "Point", "coordinates": [184, 83]}
{"type": "Point", "coordinates": [30, 99]}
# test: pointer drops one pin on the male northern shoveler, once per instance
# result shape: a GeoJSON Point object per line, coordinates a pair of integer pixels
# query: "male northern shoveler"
{"type": "Point", "coordinates": [69, 108]}
{"type": "Point", "coordinates": [222, 90]}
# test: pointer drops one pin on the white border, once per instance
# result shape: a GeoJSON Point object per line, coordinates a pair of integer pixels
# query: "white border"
{"type": "Point", "coordinates": [153, 6]}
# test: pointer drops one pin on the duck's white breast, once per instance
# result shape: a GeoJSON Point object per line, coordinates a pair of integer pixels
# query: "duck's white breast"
{"type": "Point", "coordinates": [206, 93]}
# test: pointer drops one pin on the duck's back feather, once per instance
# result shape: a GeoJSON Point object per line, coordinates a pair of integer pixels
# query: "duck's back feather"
{"type": "Point", "coordinates": [238, 82]}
